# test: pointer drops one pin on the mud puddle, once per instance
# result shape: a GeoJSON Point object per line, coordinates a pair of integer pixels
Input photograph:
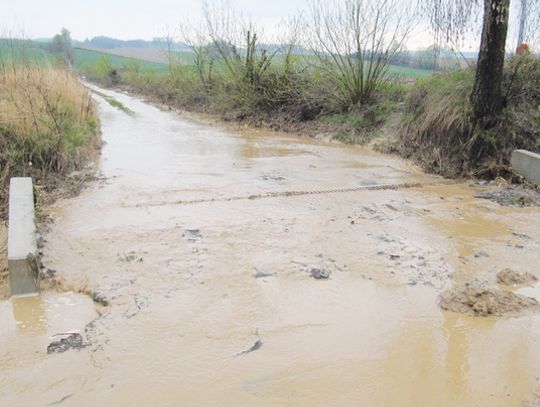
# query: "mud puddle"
{"type": "Point", "coordinates": [189, 287]}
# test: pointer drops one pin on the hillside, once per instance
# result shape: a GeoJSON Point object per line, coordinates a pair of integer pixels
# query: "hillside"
{"type": "Point", "coordinates": [149, 58]}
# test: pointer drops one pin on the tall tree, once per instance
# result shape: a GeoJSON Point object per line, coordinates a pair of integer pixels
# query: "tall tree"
{"type": "Point", "coordinates": [487, 98]}
{"type": "Point", "coordinates": [451, 18]}
{"type": "Point", "coordinates": [61, 45]}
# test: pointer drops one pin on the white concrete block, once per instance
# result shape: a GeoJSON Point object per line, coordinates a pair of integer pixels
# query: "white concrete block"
{"type": "Point", "coordinates": [23, 262]}
{"type": "Point", "coordinates": [527, 164]}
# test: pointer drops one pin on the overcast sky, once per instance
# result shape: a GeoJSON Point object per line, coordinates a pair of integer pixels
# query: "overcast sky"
{"type": "Point", "coordinates": [123, 19]}
{"type": "Point", "coordinates": [141, 19]}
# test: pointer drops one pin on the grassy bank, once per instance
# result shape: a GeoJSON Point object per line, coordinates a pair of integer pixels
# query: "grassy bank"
{"type": "Point", "coordinates": [439, 133]}
{"type": "Point", "coordinates": [283, 97]}
{"type": "Point", "coordinates": [429, 121]}
{"type": "Point", "coordinates": [48, 124]}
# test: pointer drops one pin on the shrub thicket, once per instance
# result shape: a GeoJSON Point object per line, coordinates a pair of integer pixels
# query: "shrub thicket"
{"type": "Point", "coordinates": [439, 131]}
{"type": "Point", "coordinates": [48, 122]}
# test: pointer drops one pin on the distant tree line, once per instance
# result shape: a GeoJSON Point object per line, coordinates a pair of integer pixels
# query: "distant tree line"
{"type": "Point", "coordinates": [110, 43]}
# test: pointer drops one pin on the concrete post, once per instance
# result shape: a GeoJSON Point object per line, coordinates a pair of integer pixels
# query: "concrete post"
{"type": "Point", "coordinates": [527, 164]}
{"type": "Point", "coordinates": [23, 261]}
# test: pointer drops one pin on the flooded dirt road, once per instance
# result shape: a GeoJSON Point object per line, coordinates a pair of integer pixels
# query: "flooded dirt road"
{"type": "Point", "coordinates": [193, 262]}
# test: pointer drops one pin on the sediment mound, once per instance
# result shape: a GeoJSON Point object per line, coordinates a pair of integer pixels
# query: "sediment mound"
{"type": "Point", "coordinates": [485, 302]}
{"type": "Point", "coordinates": [511, 277]}
{"type": "Point", "coordinates": [516, 196]}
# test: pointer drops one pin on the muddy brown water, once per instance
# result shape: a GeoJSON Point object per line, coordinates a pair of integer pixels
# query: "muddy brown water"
{"type": "Point", "coordinates": [189, 285]}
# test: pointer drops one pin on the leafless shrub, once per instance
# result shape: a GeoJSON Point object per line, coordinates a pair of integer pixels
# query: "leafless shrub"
{"type": "Point", "coordinates": [354, 42]}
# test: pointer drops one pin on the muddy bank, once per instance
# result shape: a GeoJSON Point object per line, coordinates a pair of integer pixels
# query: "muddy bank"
{"type": "Point", "coordinates": [485, 302]}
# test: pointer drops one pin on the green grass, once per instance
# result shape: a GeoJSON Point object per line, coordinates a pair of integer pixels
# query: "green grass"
{"type": "Point", "coordinates": [406, 72]}
{"type": "Point", "coordinates": [185, 57]}
{"type": "Point", "coordinates": [31, 52]}
{"type": "Point", "coordinates": [24, 51]}
{"type": "Point", "coordinates": [115, 103]}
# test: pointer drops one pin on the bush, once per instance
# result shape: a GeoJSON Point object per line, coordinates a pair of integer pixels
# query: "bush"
{"type": "Point", "coordinates": [439, 131]}
{"type": "Point", "coordinates": [47, 123]}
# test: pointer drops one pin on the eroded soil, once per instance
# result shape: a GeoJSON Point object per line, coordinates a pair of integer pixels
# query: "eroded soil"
{"type": "Point", "coordinates": [213, 267]}
{"type": "Point", "coordinates": [511, 277]}
{"type": "Point", "coordinates": [484, 302]}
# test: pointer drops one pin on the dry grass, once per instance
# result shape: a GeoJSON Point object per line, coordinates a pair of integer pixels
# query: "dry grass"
{"type": "Point", "coordinates": [439, 133]}
{"type": "Point", "coordinates": [439, 125]}
{"type": "Point", "coordinates": [48, 123]}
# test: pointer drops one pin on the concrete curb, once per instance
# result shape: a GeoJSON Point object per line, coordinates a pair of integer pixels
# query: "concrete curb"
{"type": "Point", "coordinates": [527, 164]}
{"type": "Point", "coordinates": [23, 262]}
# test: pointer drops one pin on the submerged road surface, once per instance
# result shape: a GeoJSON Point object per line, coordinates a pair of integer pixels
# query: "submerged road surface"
{"type": "Point", "coordinates": [201, 248]}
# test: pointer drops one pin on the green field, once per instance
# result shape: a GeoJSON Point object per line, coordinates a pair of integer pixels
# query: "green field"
{"type": "Point", "coordinates": [24, 51]}
{"type": "Point", "coordinates": [31, 52]}
{"type": "Point", "coordinates": [406, 72]}
{"type": "Point", "coordinates": [28, 51]}
{"type": "Point", "coordinates": [85, 59]}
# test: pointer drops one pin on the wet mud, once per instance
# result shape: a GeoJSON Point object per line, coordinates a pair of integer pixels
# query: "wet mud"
{"type": "Point", "coordinates": [511, 277]}
{"type": "Point", "coordinates": [486, 302]}
{"type": "Point", "coordinates": [194, 238]}
{"type": "Point", "coordinates": [68, 342]}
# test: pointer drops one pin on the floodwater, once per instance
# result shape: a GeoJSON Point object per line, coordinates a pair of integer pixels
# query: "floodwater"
{"type": "Point", "coordinates": [198, 260]}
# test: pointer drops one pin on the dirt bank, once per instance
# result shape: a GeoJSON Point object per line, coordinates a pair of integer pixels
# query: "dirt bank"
{"type": "Point", "coordinates": [486, 302]}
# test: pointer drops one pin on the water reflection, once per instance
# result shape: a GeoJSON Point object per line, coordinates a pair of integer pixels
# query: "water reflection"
{"type": "Point", "coordinates": [457, 355]}
{"type": "Point", "coordinates": [29, 314]}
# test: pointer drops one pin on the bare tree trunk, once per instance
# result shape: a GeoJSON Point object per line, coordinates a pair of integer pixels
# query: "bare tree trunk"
{"type": "Point", "coordinates": [486, 98]}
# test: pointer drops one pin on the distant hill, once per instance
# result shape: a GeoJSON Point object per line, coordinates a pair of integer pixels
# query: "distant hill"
{"type": "Point", "coordinates": [113, 43]}
{"type": "Point", "coordinates": [149, 54]}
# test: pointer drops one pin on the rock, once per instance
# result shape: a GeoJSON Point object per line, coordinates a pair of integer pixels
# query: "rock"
{"type": "Point", "coordinates": [261, 273]}
{"type": "Point", "coordinates": [521, 235]}
{"type": "Point", "coordinates": [192, 235]}
{"type": "Point", "coordinates": [485, 302]}
{"type": "Point", "coordinates": [481, 253]}
{"type": "Point", "coordinates": [511, 277]}
{"type": "Point", "coordinates": [72, 341]}
{"type": "Point", "coordinates": [512, 196]}
{"type": "Point", "coordinates": [256, 346]}
{"type": "Point", "coordinates": [100, 299]}
{"type": "Point", "coordinates": [319, 274]}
